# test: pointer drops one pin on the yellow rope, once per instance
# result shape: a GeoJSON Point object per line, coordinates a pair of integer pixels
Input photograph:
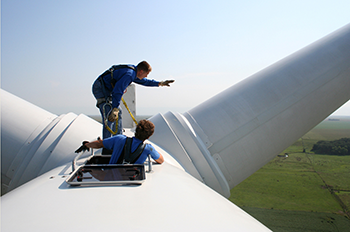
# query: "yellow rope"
{"type": "Point", "coordinates": [126, 106]}
{"type": "Point", "coordinates": [116, 121]}
{"type": "Point", "coordinates": [116, 126]}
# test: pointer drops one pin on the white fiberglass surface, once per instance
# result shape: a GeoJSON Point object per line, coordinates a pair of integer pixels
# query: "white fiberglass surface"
{"type": "Point", "coordinates": [168, 200]}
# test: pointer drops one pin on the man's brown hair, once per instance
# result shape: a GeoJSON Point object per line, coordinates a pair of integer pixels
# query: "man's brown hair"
{"type": "Point", "coordinates": [143, 65]}
{"type": "Point", "coordinates": [144, 130]}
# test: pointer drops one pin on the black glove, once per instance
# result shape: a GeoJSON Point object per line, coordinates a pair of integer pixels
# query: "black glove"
{"type": "Point", "coordinates": [166, 83]}
{"type": "Point", "coordinates": [83, 148]}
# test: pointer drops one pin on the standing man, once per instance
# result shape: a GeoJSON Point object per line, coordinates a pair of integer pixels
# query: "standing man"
{"type": "Point", "coordinates": [109, 88]}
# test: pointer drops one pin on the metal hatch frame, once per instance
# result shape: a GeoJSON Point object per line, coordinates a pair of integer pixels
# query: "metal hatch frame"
{"type": "Point", "coordinates": [107, 174]}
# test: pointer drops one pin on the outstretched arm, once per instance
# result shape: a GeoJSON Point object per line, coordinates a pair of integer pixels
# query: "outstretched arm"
{"type": "Point", "coordinates": [95, 144]}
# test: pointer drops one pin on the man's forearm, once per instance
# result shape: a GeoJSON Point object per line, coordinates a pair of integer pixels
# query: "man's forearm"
{"type": "Point", "coordinates": [95, 144]}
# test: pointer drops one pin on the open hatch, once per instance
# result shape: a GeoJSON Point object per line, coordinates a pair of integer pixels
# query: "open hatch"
{"type": "Point", "coordinates": [97, 172]}
{"type": "Point", "coordinates": [107, 174]}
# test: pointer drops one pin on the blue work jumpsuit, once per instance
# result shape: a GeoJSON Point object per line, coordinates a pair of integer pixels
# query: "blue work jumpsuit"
{"type": "Point", "coordinates": [104, 93]}
{"type": "Point", "coordinates": [116, 143]}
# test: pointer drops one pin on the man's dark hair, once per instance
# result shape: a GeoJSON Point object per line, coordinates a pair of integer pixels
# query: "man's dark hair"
{"type": "Point", "coordinates": [143, 65]}
{"type": "Point", "coordinates": [144, 130]}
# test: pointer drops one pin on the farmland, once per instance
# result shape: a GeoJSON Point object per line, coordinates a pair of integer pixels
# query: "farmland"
{"type": "Point", "coordinates": [304, 191]}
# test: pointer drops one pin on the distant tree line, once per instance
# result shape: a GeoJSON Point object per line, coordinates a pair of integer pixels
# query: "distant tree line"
{"type": "Point", "coordinates": [336, 147]}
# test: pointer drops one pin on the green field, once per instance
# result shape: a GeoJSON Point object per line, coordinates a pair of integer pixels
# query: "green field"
{"type": "Point", "coordinates": [304, 191]}
{"type": "Point", "coordinates": [299, 221]}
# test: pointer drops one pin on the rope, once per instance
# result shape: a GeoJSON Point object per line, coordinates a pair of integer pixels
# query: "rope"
{"type": "Point", "coordinates": [116, 121]}
{"type": "Point", "coordinates": [106, 119]}
{"type": "Point", "coordinates": [126, 106]}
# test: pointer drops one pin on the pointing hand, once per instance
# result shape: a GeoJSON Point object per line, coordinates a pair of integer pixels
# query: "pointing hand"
{"type": "Point", "coordinates": [166, 83]}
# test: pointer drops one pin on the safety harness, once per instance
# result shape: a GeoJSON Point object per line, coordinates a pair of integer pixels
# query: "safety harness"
{"type": "Point", "coordinates": [128, 157]}
{"type": "Point", "coordinates": [111, 70]}
{"type": "Point", "coordinates": [108, 98]}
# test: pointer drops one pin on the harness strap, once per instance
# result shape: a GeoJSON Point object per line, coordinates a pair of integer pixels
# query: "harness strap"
{"type": "Point", "coordinates": [111, 70]}
{"type": "Point", "coordinates": [126, 156]}
{"type": "Point", "coordinates": [115, 67]}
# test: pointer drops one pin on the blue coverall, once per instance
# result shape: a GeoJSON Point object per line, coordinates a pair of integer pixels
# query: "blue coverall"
{"type": "Point", "coordinates": [123, 78]}
{"type": "Point", "coordinates": [116, 143]}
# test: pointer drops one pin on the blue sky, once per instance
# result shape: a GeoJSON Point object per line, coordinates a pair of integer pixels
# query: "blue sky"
{"type": "Point", "coordinates": [52, 51]}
